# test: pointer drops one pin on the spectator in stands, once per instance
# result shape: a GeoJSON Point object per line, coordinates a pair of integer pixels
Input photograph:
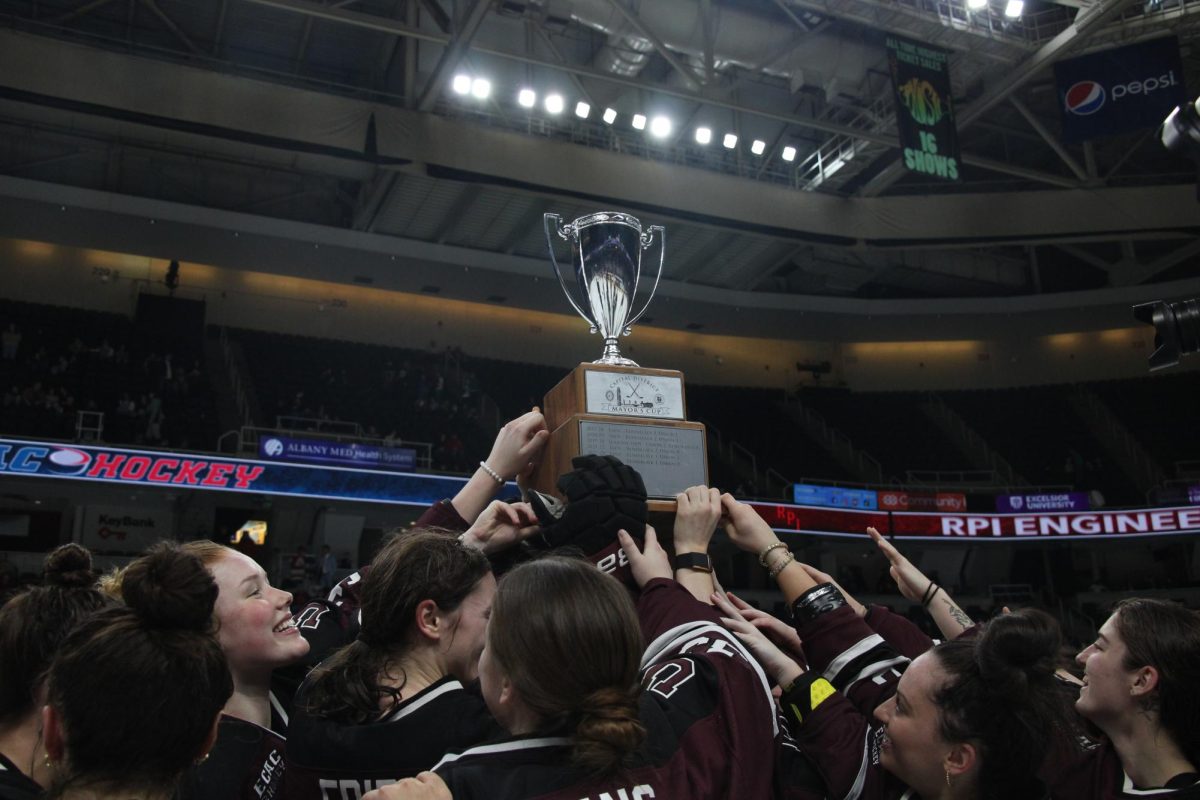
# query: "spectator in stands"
{"type": "Point", "coordinates": [10, 341]}
{"type": "Point", "coordinates": [1142, 690]}
{"type": "Point", "coordinates": [134, 691]}
{"type": "Point", "coordinates": [32, 625]}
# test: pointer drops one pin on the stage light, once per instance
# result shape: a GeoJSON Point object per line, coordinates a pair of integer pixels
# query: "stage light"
{"type": "Point", "coordinates": [554, 103]}
{"type": "Point", "coordinates": [481, 88]}
{"type": "Point", "coordinates": [703, 135]}
{"type": "Point", "coordinates": [610, 116]}
{"type": "Point", "coordinates": [758, 147]}
{"type": "Point", "coordinates": [789, 153]}
{"type": "Point", "coordinates": [1014, 8]}
{"type": "Point", "coordinates": [639, 121]}
{"type": "Point", "coordinates": [527, 98]}
{"type": "Point", "coordinates": [730, 141]}
{"type": "Point", "coordinates": [461, 84]}
{"type": "Point", "coordinates": [582, 110]}
{"type": "Point", "coordinates": [660, 127]}
{"type": "Point", "coordinates": [976, 5]}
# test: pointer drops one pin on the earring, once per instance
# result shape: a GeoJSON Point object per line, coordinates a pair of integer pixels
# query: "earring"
{"type": "Point", "coordinates": [947, 778]}
{"type": "Point", "coordinates": [201, 759]}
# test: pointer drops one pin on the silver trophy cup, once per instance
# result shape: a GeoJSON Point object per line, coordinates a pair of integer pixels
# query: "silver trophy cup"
{"type": "Point", "coordinates": [606, 251]}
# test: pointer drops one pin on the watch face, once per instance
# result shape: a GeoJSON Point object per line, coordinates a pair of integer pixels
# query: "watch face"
{"type": "Point", "coordinates": [635, 395]}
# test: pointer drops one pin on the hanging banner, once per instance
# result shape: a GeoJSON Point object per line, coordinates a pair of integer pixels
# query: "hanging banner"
{"type": "Point", "coordinates": [924, 108]}
{"type": "Point", "coordinates": [1120, 90]}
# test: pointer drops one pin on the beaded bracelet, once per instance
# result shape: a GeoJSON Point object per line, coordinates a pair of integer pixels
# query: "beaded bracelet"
{"type": "Point", "coordinates": [783, 562]}
{"type": "Point", "coordinates": [495, 475]}
{"type": "Point", "coordinates": [762, 557]}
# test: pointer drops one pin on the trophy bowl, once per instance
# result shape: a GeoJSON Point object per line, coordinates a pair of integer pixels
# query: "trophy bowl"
{"type": "Point", "coordinates": [606, 252]}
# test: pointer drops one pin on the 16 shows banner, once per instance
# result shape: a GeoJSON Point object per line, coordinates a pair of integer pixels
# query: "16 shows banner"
{"type": "Point", "coordinates": [924, 108]}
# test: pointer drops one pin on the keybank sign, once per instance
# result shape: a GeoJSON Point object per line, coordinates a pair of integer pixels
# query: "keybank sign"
{"type": "Point", "coordinates": [1121, 90]}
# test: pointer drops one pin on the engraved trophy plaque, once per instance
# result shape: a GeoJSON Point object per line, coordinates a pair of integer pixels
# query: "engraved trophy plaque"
{"type": "Point", "coordinates": [612, 406]}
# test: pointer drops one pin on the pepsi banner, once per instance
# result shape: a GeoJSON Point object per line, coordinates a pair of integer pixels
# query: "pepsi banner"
{"type": "Point", "coordinates": [924, 107]}
{"type": "Point", "coordinates": [324, 451]}
{"type": "Point", "coordinates": [147, 468]}
{"type": "Point", "coordinates": [1121, 90]}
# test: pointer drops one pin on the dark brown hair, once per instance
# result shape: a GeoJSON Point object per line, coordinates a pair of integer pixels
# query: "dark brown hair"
{"type": "Point", "coordinates": [412, 567]}
{"type": "Point", "coordinates": [1002, 696]}
{"type": "Point", "coordinates": [34, 623]}
{"type": "Point", "coordinates": [1166, 636]}
{"type": "Point", "coordinates": [138, 687]}
{"type": "Point", "coordinates": [568, 638]}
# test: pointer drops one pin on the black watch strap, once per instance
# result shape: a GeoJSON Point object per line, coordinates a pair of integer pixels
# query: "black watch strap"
{"type": "Point", "coordinates": [697, 561]}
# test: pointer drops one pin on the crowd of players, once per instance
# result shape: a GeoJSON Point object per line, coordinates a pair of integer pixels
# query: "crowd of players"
{"type": "Point", "coordinates": [560, 651]}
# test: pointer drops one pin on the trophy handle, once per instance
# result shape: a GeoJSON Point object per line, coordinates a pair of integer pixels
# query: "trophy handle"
{"type": "Point", "coordinates": [562, 231]}
{"type": "Point", "coordinates": [647, 242]}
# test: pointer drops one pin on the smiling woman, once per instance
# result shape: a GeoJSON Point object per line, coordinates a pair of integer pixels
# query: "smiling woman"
{"type": "Point", "coordinates": [255, 631]}
{"type": "Point", "coordinates": [1140, 688]}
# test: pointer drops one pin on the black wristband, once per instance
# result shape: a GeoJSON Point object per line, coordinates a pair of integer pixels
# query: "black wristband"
{"type": "Point", "coordinates": [816, 601]}
{"type": "Point", "coordinates": [697, 561]}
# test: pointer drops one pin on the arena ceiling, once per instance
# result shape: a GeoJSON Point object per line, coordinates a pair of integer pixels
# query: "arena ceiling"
{"type": "Point", "coordinates": [336, 122]}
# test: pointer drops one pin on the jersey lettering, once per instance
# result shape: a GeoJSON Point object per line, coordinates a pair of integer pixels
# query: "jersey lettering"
{"type": "Point", "coordinates": [613, 560]}
{"type": "Point", "coordinates": [643, 791]}
{"type": "Point", "coordinates": [666, 679]}
{"type": "Point", "coordinates": [265, 786]}
{"type": "Point", "coordinates": [309, 617]}
{"type": "Point", "coordinates": [349, 789]}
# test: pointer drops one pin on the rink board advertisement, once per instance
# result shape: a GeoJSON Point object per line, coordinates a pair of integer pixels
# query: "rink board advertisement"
{"type": "Point", "coordinates": [148, 468]}
{"type": "Point", "coordinates": [178, 470]}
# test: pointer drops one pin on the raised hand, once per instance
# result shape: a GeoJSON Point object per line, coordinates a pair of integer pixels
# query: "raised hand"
{"type": "Point", "coordinates": [698, 510]}
{"type": "Point", "coordinates": [745, 527]}
{"type": "Point", "coordinates": [911, 582]}
{"type": "Point", "coordinates": [648, 563]}
{"type": "Point", "coordinates": [782, 669]}
{"type": "Point", "coordinates": [500, 526]}
{"type": "Point", "coordinates": [426, 786]}
{"type": "Point", "coordinates": [783, 635]}
{"type": "Point", "coordinates": [519, 445]}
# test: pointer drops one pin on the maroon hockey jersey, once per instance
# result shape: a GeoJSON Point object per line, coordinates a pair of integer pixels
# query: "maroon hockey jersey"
{"type": "Point", "coordinates": [1097, 775]}
{"type": "Point", "coordinates": [328, 760]}
{"type": "Point", "coordinates": [706, 705]}
{"type": "Point", "coordinates": [246, 763]}
{"type": "Point", "coordinates": [829, 709]}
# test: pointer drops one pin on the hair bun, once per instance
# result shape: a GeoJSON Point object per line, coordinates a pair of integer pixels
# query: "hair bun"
{"type": "Point", "coordinates": [609, 729]}
{"type": "Point", "coordinates": [69, 566]}
{"type": "Point", "coordinates": [170, 588]}
{"type": "Point", "coordinates": [1017, 648]}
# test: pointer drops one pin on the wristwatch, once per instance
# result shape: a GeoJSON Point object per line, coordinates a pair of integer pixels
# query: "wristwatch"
{"type": "Point", "coordinates": [697, 561]}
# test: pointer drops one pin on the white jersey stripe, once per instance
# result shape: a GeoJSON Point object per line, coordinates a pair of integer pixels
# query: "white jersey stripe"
{"type": "Point", "coordinates": [504, 747]}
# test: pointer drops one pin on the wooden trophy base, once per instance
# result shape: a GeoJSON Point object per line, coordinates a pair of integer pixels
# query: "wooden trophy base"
{"type": "Point", "coordinates": [633, 413]}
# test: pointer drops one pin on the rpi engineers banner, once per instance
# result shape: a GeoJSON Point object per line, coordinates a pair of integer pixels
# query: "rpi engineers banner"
{"type": "Point", "coordinates": [924, 107]}
{"type": "Point", "coordinates": [983, 527]}
{"type": "Point", "coordinates": [216, 473]}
